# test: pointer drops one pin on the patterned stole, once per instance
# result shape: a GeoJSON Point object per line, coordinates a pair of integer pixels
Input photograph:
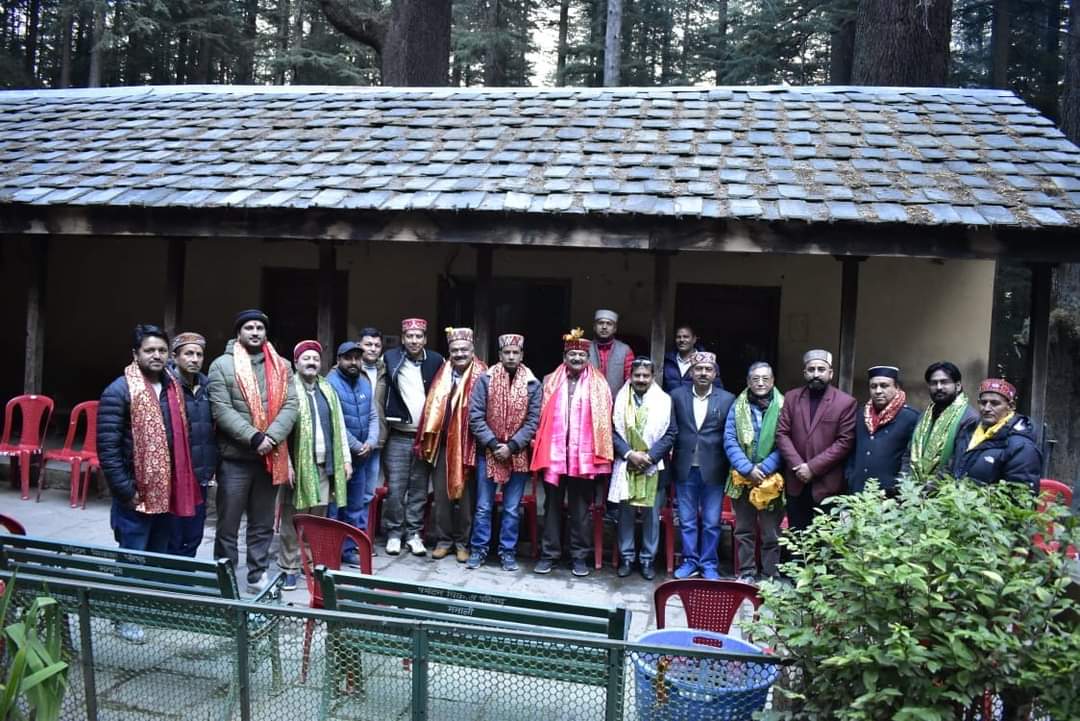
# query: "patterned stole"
{"type": "Point", "coordinates": [277, 389]}
{"type": "Point", "coordinates": [507, 408]}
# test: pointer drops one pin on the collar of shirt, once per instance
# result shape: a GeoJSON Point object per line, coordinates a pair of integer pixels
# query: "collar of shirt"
{"type": "Point", "coordinates": [420, 360]}
{"type": "Point", "coordinates": [693, 390]}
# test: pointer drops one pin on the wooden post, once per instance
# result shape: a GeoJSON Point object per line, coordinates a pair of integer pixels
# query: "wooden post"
{"type": "Point", "coordinates": [661, 308]}
{"type": "Point", "coordinates": [1038, 358]}
{"type": "Point", "coordinates": [325, 319]}
{"type": "Point", "coordinates": [34, 363]}
{"type": "Point", "coordinates": [175, 263]}
{"type": "Point", "coordinates": [849, 300]}
{"type": "Point", "coordinates": [482, 302]}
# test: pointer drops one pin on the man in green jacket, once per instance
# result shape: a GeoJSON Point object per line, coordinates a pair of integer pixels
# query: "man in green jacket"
{"type": "Point", "coordinates": [255, 407]}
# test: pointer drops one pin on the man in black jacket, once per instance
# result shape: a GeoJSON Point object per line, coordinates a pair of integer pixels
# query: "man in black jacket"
{"type": "Point", "coordinates": [882, 436]}
{"type": "Point", "coordinates": [409, 371]}
{"type": "Point", "coordinates": [1001, 446]}
{"type": "Point", "coordinates": [188, 352]}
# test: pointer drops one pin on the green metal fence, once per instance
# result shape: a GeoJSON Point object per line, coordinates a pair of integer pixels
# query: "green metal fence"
{"type": "Point", "coordinates": [222, 660]}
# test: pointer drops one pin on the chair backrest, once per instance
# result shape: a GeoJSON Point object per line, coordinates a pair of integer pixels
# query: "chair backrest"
{"type": "Point", "coordinates": [709, 605]}
{"type": "Point", "coordinates": [35, 411]}
{"type": "Point", "coordinates": [321, 543]}
{"type": "Point", "coordinates": [11, 525]}
{"type": "Point", "coordinates": [1051, 491]}
{"type": "Point", "coordinates": [88, 410]}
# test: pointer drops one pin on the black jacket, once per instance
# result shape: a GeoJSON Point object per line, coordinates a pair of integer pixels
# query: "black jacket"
{"type": "Point", "coordinates": [883, 455]}
{"type": "Point", "coordinates": [1011, 455]}
{"type": "Point", "coordinates": [201, 437]}
{"type": "Point", "coordinates": [114, 442]}
{"type": "Point", "coordinates": [396, 410]}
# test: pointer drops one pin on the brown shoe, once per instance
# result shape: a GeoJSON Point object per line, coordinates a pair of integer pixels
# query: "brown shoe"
{"type": "Point", "coordinates": [440, 552]}
{"type": "Point", "coordinates": [462, 554]}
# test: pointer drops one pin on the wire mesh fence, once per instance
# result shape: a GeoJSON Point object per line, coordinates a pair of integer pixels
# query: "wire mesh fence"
{"type": "Point", "coordinates": [145, 655]}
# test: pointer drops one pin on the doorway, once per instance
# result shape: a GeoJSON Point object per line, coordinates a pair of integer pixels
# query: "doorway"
{"type": "Point", "coordinates": [290, 297]}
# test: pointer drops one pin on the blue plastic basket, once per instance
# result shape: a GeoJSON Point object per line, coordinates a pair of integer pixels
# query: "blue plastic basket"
{"type": "Point", "coordinates": [695, 688]}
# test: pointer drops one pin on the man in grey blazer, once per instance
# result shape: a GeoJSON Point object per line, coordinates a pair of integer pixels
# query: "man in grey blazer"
{"type": "Point", "coordinates": [699, 412]}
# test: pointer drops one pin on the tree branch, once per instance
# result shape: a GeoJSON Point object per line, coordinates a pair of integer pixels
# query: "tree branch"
{"type": "Point", "coordinates": [364, 26]}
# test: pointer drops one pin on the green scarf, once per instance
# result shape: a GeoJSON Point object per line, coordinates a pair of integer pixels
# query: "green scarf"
{"type": "Point", "coordinates": [642, 485]}
{"type": "Point", "coordinates": [756, 448]}
{"type": "Point", "coordinates": [306, 488]}
{"type": "Point", "coordinates": [932, 443]}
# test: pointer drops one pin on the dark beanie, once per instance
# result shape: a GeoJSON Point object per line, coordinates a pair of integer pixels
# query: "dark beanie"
{"type": "Point", "coordinates": [245, 315]}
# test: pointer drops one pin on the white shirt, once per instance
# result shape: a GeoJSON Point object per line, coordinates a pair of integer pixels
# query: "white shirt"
{"type": "Point", "coordinates": [157, 389]}
{"type": "Point", "coordinates": [701, 406]}
{"type": "Point", "coordinates": [373, 375]}
{"type": "Point", "coordinates": [411, 386]}
{"type": "Point", "coordinates": [684, 365]}
{"type": "Point", "coordinates": [320, 439]}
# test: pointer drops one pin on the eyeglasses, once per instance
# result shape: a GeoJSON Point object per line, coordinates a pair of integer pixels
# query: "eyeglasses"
{"type": "Point", "coordinates": [639, 362]}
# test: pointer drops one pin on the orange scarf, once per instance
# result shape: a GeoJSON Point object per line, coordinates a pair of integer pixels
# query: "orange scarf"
{"type": "Point", "coordinates": [447, 406]}
{"type": "Point", "coordinates": [507, 408]}
{"type": "Point", "coordinates": [277, 389]}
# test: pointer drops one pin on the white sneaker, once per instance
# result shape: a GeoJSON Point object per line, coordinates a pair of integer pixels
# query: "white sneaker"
{"type": "Point", "coordinates": [393, 546]}
{"type": "Point", "coordinates": [416, 546]}
{"type": "Point", "coordinates": [257, 587]}
{"type": "Point", "coordinates": [130, 632]}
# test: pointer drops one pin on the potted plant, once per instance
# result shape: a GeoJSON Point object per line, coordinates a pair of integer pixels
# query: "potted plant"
{"type": "Point", "coordinates": [927, 607]}
{"type": "Point", "coordinates": [34, 676]}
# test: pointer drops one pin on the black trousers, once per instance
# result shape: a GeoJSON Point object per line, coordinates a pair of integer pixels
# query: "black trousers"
{"type": "Point", "coordinates": [800, 508]}
{"type": "Point", "coordinates": [578, 493]}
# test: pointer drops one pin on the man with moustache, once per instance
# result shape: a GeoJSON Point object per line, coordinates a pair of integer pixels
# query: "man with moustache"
{"type": "Point", "coordinates": [699, 413]}
{"type": "Point", "coordinates": [374, 367]}
{"type": "Point", "coordinates": [677, 362]}
{"type": "Point", "coordinates": [444, 442]}
{"type": "Point", "coordinates": [933, 442]}
{"type": "Point", "coordinates": [610, 356]}
{"type": "Point", "coordinates": [573, 447]}
{"type": "Point", "coordinates": [320, 454]}
{"type": "Point", "coordinates": [358, 406]}
{"type": "Point", "coordinates": [815, 434]}
{"type": "Point", "coordinates": [643, 435]}
{"type": "Point", "coordinates": [1001, 447]}
{"type": "Point", "coordinates": [255, 406]}
{"type": "Point", "coordinates": [186, 367]}
{"type": "Point", "coordinates": [409, 372]}
{"type": "Point", "coordinates": [882, 438]}
{"type": "Point", "coordinates": [755, 485]}
{"type": "Point", "coordinates": [504, 412]}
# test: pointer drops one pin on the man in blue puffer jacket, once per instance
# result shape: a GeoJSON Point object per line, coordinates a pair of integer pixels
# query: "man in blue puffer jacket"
{"type": "Point", "coordinates": [188, 350]}
{"type": "Point", "coordinates": [362, 431]}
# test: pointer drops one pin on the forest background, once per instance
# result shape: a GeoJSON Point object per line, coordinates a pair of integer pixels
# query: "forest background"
{"type": "Point", "coordinates": [1031, 47]}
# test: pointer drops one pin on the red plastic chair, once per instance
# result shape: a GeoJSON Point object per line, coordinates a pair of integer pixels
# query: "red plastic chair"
{"type": "Point", "coordinates": [35, 412]}
{"type": "Point", "coordinates": [321, 541]}
{"type": "Point", "coordinates": [1051, 491]}
{"type": "Point", "coordinates": [12, 526]}
{"type": "Point", "coordinates": [709, 605]}
{"type": "Point", "coordinates": [75, 457]}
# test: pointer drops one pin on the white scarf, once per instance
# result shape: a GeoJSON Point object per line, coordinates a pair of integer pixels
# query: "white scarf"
{"type": "Point", "coordinates": [657, 419]}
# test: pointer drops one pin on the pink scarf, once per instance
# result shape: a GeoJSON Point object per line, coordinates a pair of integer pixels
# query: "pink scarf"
{"type": "Point", "coordinates": [567, 442]}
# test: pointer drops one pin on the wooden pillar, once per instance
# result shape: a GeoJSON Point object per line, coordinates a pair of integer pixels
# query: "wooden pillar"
{"type": "Point", "coordinates": [34, 362]}
{"type": "Point", "coordinates": [175, 263]}
{"type": "Point", "coordinates": [325, 319]}
{"type": "Point", "coordinates": [1038, 357]}
{"type": "Point", "coordinates": [661, 308]}
{"type": "Point", "coordinates": [482, 302]}
{"type": "Point", "coordinates": [849, 300]}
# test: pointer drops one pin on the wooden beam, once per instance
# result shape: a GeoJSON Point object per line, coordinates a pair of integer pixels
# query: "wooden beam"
{"type": "Point", "coordinates": [482, 320]}
{"type": "Point", "coordinates": [175, 262]}
{"type": "Point", "coordinates": [849, 301]}
{"type": "Point", "coordinates": [325, 319]}
{"type": "Point", "coordinates": [661, 308]}
{"type": "Point", "coordinates": [1038, 357]}
{"type": "Point", "coordinates": [34, 360]}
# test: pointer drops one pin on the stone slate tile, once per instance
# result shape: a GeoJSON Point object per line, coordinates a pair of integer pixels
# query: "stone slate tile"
{"type": "Point", "coordinates": [1047, 216]}
{"type": "Point", "coordinates": [889, 212]}
{"type": "Point", "coordinates": [997, 214]}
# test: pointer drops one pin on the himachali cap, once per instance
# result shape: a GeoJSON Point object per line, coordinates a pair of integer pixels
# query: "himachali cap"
{"type": "Point", "coordinates": [883, 372]}
{"type": "Point", "coordinates": [702, 358]}
{"type": "Point", "coordinates": [183, 339]}
{"type": "Point", "coordinates": [576, 340]}
{"type": "Point", "coordinates": [453, 334]}
{"type": "Point", "coordinates": [246, 315]}
{"type": "Point", "coordinates": [414, 324]}
{"type": "Point", "coordinates": [1000, 386]}
{"type": "Point", "coordinates": [306, 345]}
{"type": "Point", "coordinates": [604, 314]}
{"type": "Point", "coordinates": [817, 354]}
{"type": "Point", "coordinates": [511, 339]}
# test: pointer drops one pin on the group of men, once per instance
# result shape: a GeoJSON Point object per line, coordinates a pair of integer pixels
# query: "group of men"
{"type": "Point", "coordinates": [280, 438]}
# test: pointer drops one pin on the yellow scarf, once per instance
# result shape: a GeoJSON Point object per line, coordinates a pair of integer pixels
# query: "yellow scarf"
{"type": "Point", "coordinates": [980, 435]}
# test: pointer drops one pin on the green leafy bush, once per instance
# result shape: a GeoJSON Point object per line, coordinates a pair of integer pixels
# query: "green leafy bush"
{"type": "Point", "coordinates": [911, 609]}
{"type": "Point", "coordinates": [34, 669]}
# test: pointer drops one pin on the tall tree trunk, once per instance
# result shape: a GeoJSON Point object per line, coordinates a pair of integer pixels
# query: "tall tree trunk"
{"type": "Point", "coordinates": [902, 43]}
{"type": "Point", "coordinates": [33, 26]}
{"type": "Point", "coordinates": [564, 29]}
{"type": "Point", "coordinates": [66, 22]}
{"type": "Point", "coordinates": [97, 38]}
{"type": "Point", "coordinates": [1070, 94]}
{"type": "Point", "coordinates": [245, 73]}
{"type": "Point", "coordinates": [613, 43]}
{"type": "Point", "coordinates": [495, 70]}
{"type": "Point", "coordinates": [999, 45]}
{"type": "Point", "coordinates": [298, 43]}
{"type": "Point", "coordinates": [842, 52]}
{"type": "Point", "coordinates": [1047, 103]}
{"type": "Point", "coordinates": [721, 40]}
{"type": "Point", "coordinates": [284, 16]}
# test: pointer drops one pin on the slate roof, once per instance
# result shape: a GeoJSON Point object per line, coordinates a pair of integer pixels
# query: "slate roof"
{"type": "Point", "coordinates": [919, 156]}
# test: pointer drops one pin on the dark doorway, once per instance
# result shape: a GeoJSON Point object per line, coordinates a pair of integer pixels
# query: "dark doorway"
{"type": "Point", "coordinates": [741, 324]}
{"type": "Point", "coordinates": [290, 296]}
{"type": "Point", "coordinates": [537, 308]}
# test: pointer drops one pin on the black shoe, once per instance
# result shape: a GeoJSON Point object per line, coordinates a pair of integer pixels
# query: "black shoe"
{"type": "Point", "coordinates": [624, 569]}
{"type": "Point", "coordinates": [543, 566]}
{"type": "Point", "coordinates": [579, 567]}
{"type": "Point", "coordinates": [647, 570]}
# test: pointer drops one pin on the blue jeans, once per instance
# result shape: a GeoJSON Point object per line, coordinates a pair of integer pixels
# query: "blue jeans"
{"type": "Point", "coordinates": [486, 488]}
{"type": "Point", "coordinates": [359, 490]}
{"type": "Point", "coordinates": [695, 496]}
{"type": "Point", "coordinates": [187, 533]}
{"type": "Point", "coordinates": [141, 531]}
{"type": "Point", "coordinates": [650, 529]}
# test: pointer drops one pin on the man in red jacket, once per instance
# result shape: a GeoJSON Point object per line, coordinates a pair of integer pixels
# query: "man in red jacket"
{"type": "Point", "coordinates": [815, 434]}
